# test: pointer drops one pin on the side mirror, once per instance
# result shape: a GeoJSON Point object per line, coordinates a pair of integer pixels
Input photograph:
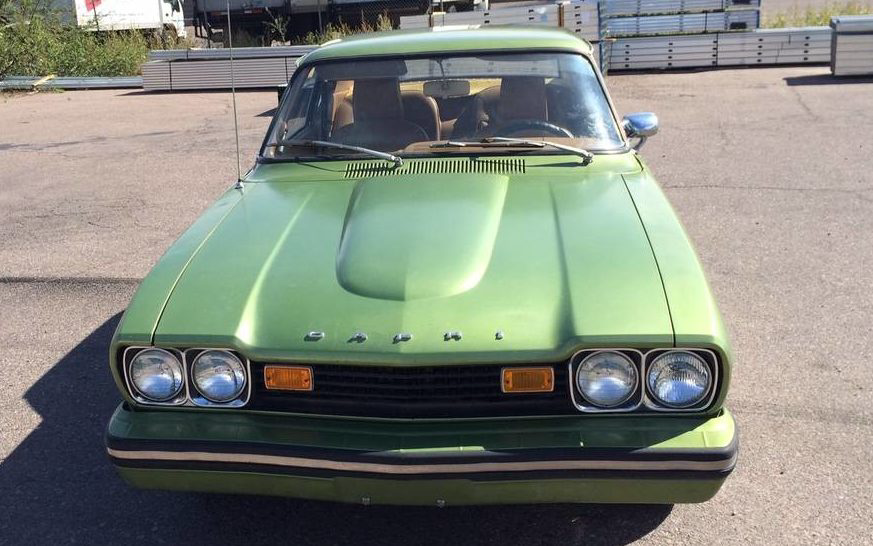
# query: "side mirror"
{"type": "Point", "coordinates": [641, 125]}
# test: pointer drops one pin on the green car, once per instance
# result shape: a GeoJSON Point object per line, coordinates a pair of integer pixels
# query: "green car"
{"type": "Point", "coordinates": [449, 279]}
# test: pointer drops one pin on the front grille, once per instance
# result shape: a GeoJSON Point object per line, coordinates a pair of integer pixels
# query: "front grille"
{"type": "Point", "coordinates": [411, 392]}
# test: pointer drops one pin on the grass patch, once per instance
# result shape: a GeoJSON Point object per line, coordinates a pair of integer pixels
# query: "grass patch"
{"type": "Point", "coordinates": [816, 16]}
{"type": "Point", "coordinates": [41, 48]}
{"type": "Point", "coordinates": [35, 42]}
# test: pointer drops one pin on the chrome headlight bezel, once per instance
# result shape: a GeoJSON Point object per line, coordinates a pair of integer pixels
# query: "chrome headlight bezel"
{"type": "Point", "coordinates": [708, 357]}
{"type": "Point", "coordinates": [189, 396]}
{"type": "Point", "coordinates": [129, 356]}
{"type": "Point", "coordinates": [633, 401]}
{"type": "Point", "coordinates": [199, 398]}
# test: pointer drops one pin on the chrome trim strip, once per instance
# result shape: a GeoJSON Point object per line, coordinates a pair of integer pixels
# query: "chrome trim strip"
{"type": "Point", "coordinates": [408, 469]}
{"type": "Point", "coordinates": [571, 380]}
{"type": "Point", "coordinates": [653, 405]}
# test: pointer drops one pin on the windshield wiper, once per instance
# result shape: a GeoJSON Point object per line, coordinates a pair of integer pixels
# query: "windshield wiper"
{"type": "Point", "coordinates": [397, 160]}
{"type": "Point", "coordinates": [452, 144]}
{"type": "Point", "coordinates": [585, 154]}
{"type": "Point", "coordinates": [506, 142]}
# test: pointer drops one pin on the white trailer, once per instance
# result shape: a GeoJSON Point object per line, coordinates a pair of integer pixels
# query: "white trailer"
{"type": "Point", "coordinates": [100, 15]}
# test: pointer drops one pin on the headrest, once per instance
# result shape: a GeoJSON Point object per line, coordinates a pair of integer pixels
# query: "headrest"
{"type": "Point", "coordinates": [377, 98]}
{"type": "Point", "coordinates": [523, 97]}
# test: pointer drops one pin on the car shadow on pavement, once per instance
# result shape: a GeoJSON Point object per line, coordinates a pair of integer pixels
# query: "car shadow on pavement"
{"type": "Point", "coordinates": [58, 486]}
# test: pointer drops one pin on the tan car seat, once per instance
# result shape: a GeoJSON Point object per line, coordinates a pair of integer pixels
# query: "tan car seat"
{"type": "Point", "coordinates": [342, 105]}
{"type": "Point", "coordinates": [417, 108]}
{"type": "Point", "coordinates": [422, 111]}
{"type": "Point", "coordinates": [378, 118]}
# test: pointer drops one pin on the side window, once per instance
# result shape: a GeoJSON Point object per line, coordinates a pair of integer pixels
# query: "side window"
{"type": "Point", "coordinates": [295, 121]}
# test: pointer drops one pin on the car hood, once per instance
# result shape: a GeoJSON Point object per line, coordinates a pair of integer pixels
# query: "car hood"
{"type": "Point", "coordinates": [523, 265]}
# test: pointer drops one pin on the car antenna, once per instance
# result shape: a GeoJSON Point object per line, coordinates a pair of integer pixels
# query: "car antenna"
{"type": "Point", "coordinates": [239, 182]}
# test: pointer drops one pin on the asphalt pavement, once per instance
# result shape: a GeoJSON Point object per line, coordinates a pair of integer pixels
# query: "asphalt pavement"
{"type": "Point", "coordinates": [771, 171]}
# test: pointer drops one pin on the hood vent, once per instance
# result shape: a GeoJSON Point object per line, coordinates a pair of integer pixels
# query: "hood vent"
{"type": "Point", "coordinates": [367, 169]}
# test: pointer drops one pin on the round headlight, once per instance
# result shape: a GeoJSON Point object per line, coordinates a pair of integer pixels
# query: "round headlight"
{"type": "Point", "coordinates": [219, 376]}
{"type": "Point", "coordinates": [679, 379]}
{"type": "Point", "coordinates": [607, 379]}
{"type": "Point", "coordinates": [156, 375]}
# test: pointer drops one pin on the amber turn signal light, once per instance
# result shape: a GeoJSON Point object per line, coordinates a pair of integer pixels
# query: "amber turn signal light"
{"type": "Point", "coordinates": [528, 379]}
{"type": "Point", "coordinates": [288, 378]}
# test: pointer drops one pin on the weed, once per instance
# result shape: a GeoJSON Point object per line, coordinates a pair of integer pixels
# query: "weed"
{"type": "Point", "coordinates": [277, 27]}
{"type": "Point", "coordinates": [35, 41]}
{"type": "Point", "coordinates": [816, 17]}
{"type": "Point", "coordinates": [339, 30]}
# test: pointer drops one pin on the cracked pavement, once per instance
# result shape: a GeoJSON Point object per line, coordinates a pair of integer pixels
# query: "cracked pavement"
{"type": "Point", "coordinates": [771, 171]}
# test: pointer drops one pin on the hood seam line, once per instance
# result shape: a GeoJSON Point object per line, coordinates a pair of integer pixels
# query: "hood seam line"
{"type": "Point", "coordinates": [185, 268]}
{"type": "Point", "coordinates": [654, 257]}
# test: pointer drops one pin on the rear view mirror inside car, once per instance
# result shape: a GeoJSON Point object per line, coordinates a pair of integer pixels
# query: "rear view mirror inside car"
{"type": "Point", "coordinates": [445, 89]}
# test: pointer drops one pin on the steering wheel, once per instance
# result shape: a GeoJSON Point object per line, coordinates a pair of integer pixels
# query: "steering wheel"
{"type": "Point", "coordinates": [520, 125]}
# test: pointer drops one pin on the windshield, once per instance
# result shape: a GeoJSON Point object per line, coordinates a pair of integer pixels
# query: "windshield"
{"type": "Point", "coordinates": [405, 106]}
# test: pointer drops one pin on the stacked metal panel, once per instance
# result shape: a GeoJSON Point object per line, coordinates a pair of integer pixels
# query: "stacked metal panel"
{"type": "Point", "coordinates": [65, 82]}
{"type": "Point", "coordinates": [809, 45]}
{"type": "Point", "coordinates": [634, 8]}
{"type": "Point", "coordinates": [215, 74]}
{"type": "Point", "coordinates": [168, 54]}
{"type": "Point", "coordinates": [852, 49]}
{"type": "Point", "coordinates": [593, 19]}
{"type": "Point", "coordinates": [94, 82]}
{"type": "Point", "coordinates": [408, 22]}
{"type": "Point", "coordinates": [683, 23]}
{"type": "Point", "coordinates": [626, 8]}
{"type": "Point", "coordinates": [660, 52]}
{"type": "Point", "coordinates": [775, 46]}
{"type": "Point", "coordinates": [156, 76]}
{"type": "Point", "coordinates": [582, 17]}
{"type": "Point", "coordinates": [253, 67]}
{"type": "Point", "coordinates": [579, 16]}
{"type": "Point", "coordinates": [534, 15]}
{"type": "Point", "coordinates": [546, 14]}
{"type": "Point", "coordinates": [224, 53]}
{"type": "Point", "coordinates": [250, 52]}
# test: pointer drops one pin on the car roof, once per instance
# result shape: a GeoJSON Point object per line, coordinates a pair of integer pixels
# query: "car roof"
{"type": "Point", "coordinates": [448, 40]}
